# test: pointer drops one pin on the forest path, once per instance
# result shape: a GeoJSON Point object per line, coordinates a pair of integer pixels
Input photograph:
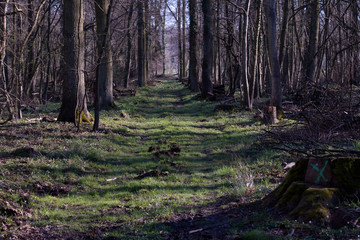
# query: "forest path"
{"type": "Point", "coordinates": [212, 144]}
{"type": "Point", "coordinates": [108, 185]}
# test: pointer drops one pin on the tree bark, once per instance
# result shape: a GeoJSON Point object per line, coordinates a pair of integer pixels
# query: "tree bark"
{"type": "Point", "coordinates": [193, 39]}
{"type": "Point", "coordinates": [3, 30]}
{"type": "Point", "coordinates": [44, 96]}
{"type": "Point", "coordinates": [229, 48]}
{"type": "Point", "coordinates": [74, 105]}
{"type": "Point", "coordinates": [106, 63]}
{"type": "Point", "coordinates": [163, 39]}
{"type": "Point", "coordinates": [283, 30]}
{"type": "Point", "coordinates": [207, 65]}
{"type": "Point", "coordinates": [141, 44]}
{"type": "Point", "coordinates": [276, 94]}
{"type": "Point", "coordinates": [183, 17]}
{"type": "Point", "coordinates": [245, 74]}
{"type": "Point", "coordinates": [129, 47]}
{"type": "Point", "coordinates": [311, 50]}
{"type": "Point", "coordinates": [180, 55]}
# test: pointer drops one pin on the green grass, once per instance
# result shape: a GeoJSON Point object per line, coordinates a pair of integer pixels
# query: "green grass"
{"type": "Point", "coordinates": [217, 151]}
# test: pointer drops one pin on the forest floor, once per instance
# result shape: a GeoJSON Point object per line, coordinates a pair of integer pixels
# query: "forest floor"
{"type": "Point", "coordinates": [165, 165]}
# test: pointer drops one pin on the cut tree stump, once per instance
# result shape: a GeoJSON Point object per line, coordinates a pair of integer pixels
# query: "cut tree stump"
{"type": "Point", "coordinates": [313, 188]}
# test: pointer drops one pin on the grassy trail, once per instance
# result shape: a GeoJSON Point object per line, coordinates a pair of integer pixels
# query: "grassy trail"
{"type": "Point", "coordinates": [89, 185]}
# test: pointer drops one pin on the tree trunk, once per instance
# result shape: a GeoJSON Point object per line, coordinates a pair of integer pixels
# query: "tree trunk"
{"type": "Point", "coordinates": [148, 49]}
{"type": "Point", "coordinates": [163, 39]}
{"type": "Point", "coordinates": [276, 94]}
{"type": "Point", "coordinates": [106, 65]}
{"type": "Point", "coordinates": [73, 106]}
{"type": "Point", "coordinates": [141, 44]}
{"type": "Point", "coordinates": [183, 17]}
{"type": "Point", "coordinates": [355, 55]}
{"type": "Point", "coordinates": [129, 47]}
{"type": "Point", "coordinates": [3, 87]}
{"type": "Point", "coordinates": [245, 75]}
{"type": "Point", "coordinates": [180, 55]}
{"type": "Point", "coordinates": [193, 47]}
{"type": "Point", "coordinates": [29, 64]}
{"type": "Point", "coordinates": [256, 48]}
{"type": "Point", "coordinates": [48, 49]}
{"type": "Point", "coordinates": [208, 39]}
{"type": "Point", "coordinates": [229, 48]}
{"type": "Point", "coordinates": [218, 45]}
{"type": "Point", "coordinates": [311, 50]}
{"type": "Point", "coordinates": [283, 30]}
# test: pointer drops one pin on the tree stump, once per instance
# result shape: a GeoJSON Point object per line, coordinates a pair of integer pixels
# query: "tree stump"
{"type": "Point", "coordinates": [314, 187]}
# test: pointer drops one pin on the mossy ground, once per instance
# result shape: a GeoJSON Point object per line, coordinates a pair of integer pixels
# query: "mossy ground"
{"type": "Point", "coordinates": [83, 184]}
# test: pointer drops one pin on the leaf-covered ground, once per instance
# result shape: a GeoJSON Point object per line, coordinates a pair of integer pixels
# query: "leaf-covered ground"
{"type": "Point", "coordinates": [164, 166]}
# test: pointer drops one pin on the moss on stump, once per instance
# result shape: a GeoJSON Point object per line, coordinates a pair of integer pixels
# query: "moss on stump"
{"type": "Point", "coordinates": [312, 186]}
{"type": "Point", "coordinates": [346, 173]}
{"type": "Point", "coordinates": [314, 204]}
{"type": "Point", "coordinates": [296, 174]}
{"type": "Point", "coordinates": [292, 196]}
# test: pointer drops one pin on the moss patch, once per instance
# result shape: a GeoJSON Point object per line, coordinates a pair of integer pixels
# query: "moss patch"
{"type": "Point", "coordinates": [314, 204]}
{"type": "Point", "coordinates": [290, 199]}
{"type": "Point", "coordinates": [297, 173]}
{"type": "Point", "coordinates": [346, 172]}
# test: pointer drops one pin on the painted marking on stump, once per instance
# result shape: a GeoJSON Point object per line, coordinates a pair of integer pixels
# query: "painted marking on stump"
{"type": "Point", "coordinates": [320, 172]}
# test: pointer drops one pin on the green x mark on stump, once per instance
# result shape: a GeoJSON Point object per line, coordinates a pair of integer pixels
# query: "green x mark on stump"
{"type": "Point", "coordinates": [318, 172]}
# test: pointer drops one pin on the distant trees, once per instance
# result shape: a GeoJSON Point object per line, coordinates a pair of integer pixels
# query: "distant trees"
{"type": "Point", "coordinates": [294, 48]}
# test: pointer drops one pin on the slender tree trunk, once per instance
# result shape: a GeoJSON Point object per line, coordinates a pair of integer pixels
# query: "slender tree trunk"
{"type": "Point", "coordinates": [104, 51]}
{"type": "Point", "coordinates": [193, 47]}
{"type": "Point", "coordinates": [48, 48]}
{"type": "Point", "coordinates": [129, 47]}
{"type": "Point", "coordinates": [148, 49]}
{"type": "Point", "coordinates": [180, 55]}
{"type": "Point", "coordinates": [3, 32]}
{"type": "Point", "coordinates": [245, 75]}
{"type": "Point", "coordinates": [163, 39]}
{"type": "Point", "coordinates": [229, 47]}
{"type": "Point", "coordinates": [183, 17]}
{"type": "Point", "coordinates": [29, 64]}
{"type": "Point", "coordinates": [256, 53]}
{"type": "Point", "coordinates": [217, 50]}
{"type": "Point", "coordinates": [284, 27]}
{"type": "Point", "coordinates": [208, 35]}
{"type": "Point", "coordinates": [106, 64]}
{"type": "Point", "coordinates": [276, 94]}
{"type": "Point", "coordinates": [355, 55]}
{"type": "Point", "coordinates": [141, 44]}
{"type": "Point", "coordinates": [311, 50]}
